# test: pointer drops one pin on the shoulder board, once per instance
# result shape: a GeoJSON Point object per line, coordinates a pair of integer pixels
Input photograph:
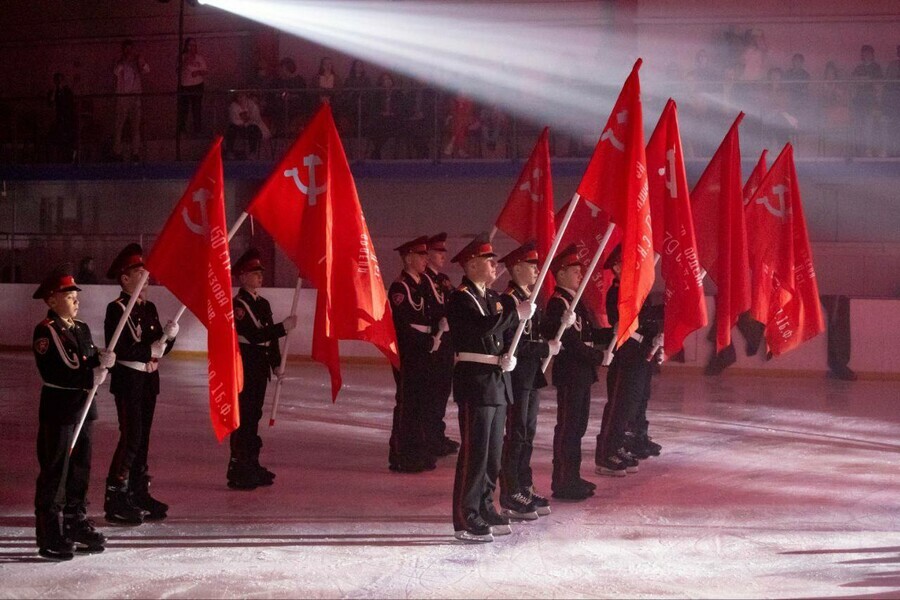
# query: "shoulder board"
{"type": "Point", "coordinates": [46, 322]}
{"type": "Point", "coordinates": [461, 288]}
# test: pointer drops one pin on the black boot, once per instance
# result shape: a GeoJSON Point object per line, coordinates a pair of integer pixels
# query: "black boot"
{"type": "Point", "coordinates": [241, 475]}
{"type": "Point", "coordinates": [141, 498]}
{"type": "Point", "coordinates": [118, 505]}
{"type": "Point", "coordinates": [79, 530]}
{"type": "Point", "coordinates": [263, 475]}
{"type": "Point", "coordinates": [51, 543]}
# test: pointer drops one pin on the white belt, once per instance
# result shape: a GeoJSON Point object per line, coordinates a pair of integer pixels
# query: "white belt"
{"type": "Point", "coordinates": [147, 367]}
{"type": "Point", "coordinates": [422, 328]}
{"type": "Point", "coordinates": [244, 340]}
{"type": "Point", "coordinates": [59, 387]}
{"type": "Point", "coordinates": [485, 359]}
{"type": "Point", "coordinates": [637, 337]}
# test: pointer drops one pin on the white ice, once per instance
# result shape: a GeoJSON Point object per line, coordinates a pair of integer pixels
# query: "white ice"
{"type": "Point", "coordinates": [766, 487]}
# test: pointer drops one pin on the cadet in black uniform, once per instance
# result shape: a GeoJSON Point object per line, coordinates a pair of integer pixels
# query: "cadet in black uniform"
{"type": "Point", "coordinates": [574, 371]}
{"type": "Point", "coordinates": [440, 366]}
{"type": "Point", "coordinates": [135, 386]}
{"type": "Point", "coordinates": [481, 388]}
{"type": "Point", "coordinates": [627, 385]}
{"type": "Point", "coordinates": [416, 340]}
{"type": "Point", "coordinates": [518, 498]}
{"type": "Point", "coordinates": [69, 365]}
{"type": "Point", "coordinates": [258, 340]}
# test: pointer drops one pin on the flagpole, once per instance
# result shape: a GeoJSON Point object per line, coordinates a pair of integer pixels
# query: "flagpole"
{"type": "Point", "coordinates": [584, 282]}
{"type": "Point", "coordinates": [520, 329]}
{"type": "Point", "coordinates": [231, 232]}
{"type": "Point", "coordinates": [284, 354]}
{"type": "Point", "coordinates": [112, 344]}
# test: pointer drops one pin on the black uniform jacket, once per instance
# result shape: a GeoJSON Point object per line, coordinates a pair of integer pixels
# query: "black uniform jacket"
{"type": "Point", "coordinates": [577, 362]}
{"type": "Point", "coordinates": [141, 329]}
{"type": "Point", "coordinates": [257, 333]}
{"type": "Point", "coordinates": [649, 323]}
{"type": "Point", "coordinates": [478, 323]}
{"type": "Point", "coordinates": [413, 320]}
{"type": "Point", "coordinates": [66, 358]}
{"type": "Point", "coordinates": [439, 287]}
{"type": "Point", "coordinates": [532, 349]}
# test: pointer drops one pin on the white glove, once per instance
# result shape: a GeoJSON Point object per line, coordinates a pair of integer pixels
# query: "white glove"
{"type": "Point", "coordinates": [525, 310]}
{"type": "Point", "coordinates": [568, 319]}
{"type": "Point", "coordinates": [289, 323]}
{"type": "Point", "coordinates": [107, 359]}
{"type": "Point", "coordinates": [443, 325]}
{"type": "Point", "coordinates": [607, 358]}
{"type": "Point", "coordinates": [435, 344]}
{"type": "Point", "coordinates": [157, 349]}
{"type": "Point", "coordinates": [99, 375]}
{"type": "Point", "coordinates": [555, 347]}
{"type": "Point", "coordinates": [659, 341]}
{"type": "Point", "coordinates": [171, 329]}
{"type": "Point", "coordinates": [507, 362]}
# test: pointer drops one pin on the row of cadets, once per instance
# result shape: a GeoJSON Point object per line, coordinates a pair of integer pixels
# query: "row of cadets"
{"type": "Point", "coordinates": [135, 385]}
{"type": "Point", "coordinates": [623, 439]}
{"type": "Point", "coordinates": [574, 372]}
{"type": "Point", "coordinates": [258, 336]}
{"type": "Point", "coordinates": [518, 497]}
{"type": "Point", "coordinates": [440, 366]}
{"type": "Point", "coordinates": [481, 389]}
{"type": "Point", "coordinates": [69, 365]}
{"type": "Point", "coordinates": [415, 324]}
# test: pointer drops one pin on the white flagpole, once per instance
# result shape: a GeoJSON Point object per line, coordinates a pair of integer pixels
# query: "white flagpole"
{"type": "Point", "coordinates": [546, 269]}
{"type": "Point", "coordinates": [112, 344]}
{"type": "Point", "coordinates": [284, 354]}
{"type": "Point", "coordinates": [584, 282]}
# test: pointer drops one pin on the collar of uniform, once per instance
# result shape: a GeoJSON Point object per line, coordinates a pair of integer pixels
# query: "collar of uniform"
{"type": "Point", "coordinates": [125, 297]}
{"type": "Point", "coordinates": [60, 322]}
{"type": "Point", "coordinates": [569, 294]}
{"type": "Point", "coordinates": [482, 292]}
{"type": "Point", "coordinates": [519, 291]}
{"type": "Point", "coordinates": [431, 272]}
{"type": "Point", "coordinates": [247, 295]}
{"type": "Point", "coordinates": [407, 276]}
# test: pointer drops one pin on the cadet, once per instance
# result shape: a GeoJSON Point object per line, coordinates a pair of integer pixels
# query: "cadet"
{"type": "Point", "coordinates": [69, 365]}
{"type": "Point", "coordinates": [481, 388]}
{"type": "Point", "coordinates": [574, 371]}
{"type": "Point", "coordinates": [416, 340]}
{"type": "Point", "coordinates": [135, 386]}
{"type": "Point", "coordinates": [518, 497]}
{"type": "Point", "coordinates": [441, 360]}
{"type": "Point", "coordinates": [258, 340]}
{"type": "Point", "coordinates": [628, 387]}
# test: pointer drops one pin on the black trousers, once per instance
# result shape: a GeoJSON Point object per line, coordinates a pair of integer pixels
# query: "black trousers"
{"type": "Point", "coordinates": [440, 375]}
{"type": "Point", "coordinates": [190, 98]}
{"type": "Point", "coordinates": [518, 444]}
{"type": "Point", "coordinates": [245, 441]}
{"type": "Point", "coordinates": [627, 387]}
{"type": "Point", "coordinates": [478, 463]}
{"type": "Point", "coordinates": [251, 132]}
{"type": "Point", "coordinates": [407, 444]}
{"type": "Point", "coordinates": [135, 411]}
{"type": "Point", "coordinates": [637, 422]}
{"type": "Point", "coordinates": [573, 407]}
{"type": "Point", "coordinates": [62, 484]}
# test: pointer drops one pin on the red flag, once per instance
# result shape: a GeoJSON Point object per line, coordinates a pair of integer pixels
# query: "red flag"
{"type": "Point", "coordinates": [190, 257]}
{"type": "Point", "coordinates": [615, 181]}
{"type": "Point", "coordinates": [528, 213]}
{"type": "Point", "coordinates": [756, 177]}
{"type": "Point", "coordinates": [785, 293]}
{"type": "Point", "coordinates": [310, 208]}
{"type": "Point", "coordinates": [673, 232]}
{"type": "Point", "coordinates": [721, 233]}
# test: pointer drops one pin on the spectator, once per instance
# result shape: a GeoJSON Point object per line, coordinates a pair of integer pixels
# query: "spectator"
{"type": "Point", "coordinates": [494, 131]}
{"type": "Point", "coordinates": [460, 119]}
{"type": "Point", "coordinates": [799, 91]}
{"type": "Point", "coordinates": [64, 130]}
{"type": "Point", "coordinates": [86, 273]}
{"type": "Point", "coordinates": [326, 80]}
{"type": "Point", "coordinates": [753, 58]}
{"type": "Point", "coordinates": [835, 112]}
{"type": "Point", "coordinates": [190, 85]}
{"type": "Point", "coordinates": [386, 117]}
{"type": "Point", "coordinates": [780, 122]}
{"type": "Point", "coordinates": [244, 120]}
{"type": "Point", "coordinates": [891, 104]}
{"type": "Point", "coordinates": [128, 71]}
{"type": "Point", "coordinates": [864, 104]}
{"type": "Point", "coordinates": [353, 117]}
{"type": "Point", "coordinates": [289, 109]}
{"type": "Point", "coordinates": [419, 119]}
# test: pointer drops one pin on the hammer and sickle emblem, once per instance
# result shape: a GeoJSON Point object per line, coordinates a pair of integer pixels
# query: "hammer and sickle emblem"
{"type": "Point", "coordinates": [533, 185]}
{"type": "Point", "coordinates": [622, 117]}
{"type": "Point", "coordinates": [670, 165]}
{"type": "Point", "coordinates": [595, 210]}
{"type": "Point", "coordinates": [200, 197]}
{"type": "Point", "coordinates": [312, 191]}
{"type": "Point", "coordinates": [779, 212]}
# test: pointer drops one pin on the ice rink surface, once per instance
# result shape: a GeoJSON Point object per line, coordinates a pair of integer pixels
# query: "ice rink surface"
{"type": "Point", "coordinates": [766, 487]}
